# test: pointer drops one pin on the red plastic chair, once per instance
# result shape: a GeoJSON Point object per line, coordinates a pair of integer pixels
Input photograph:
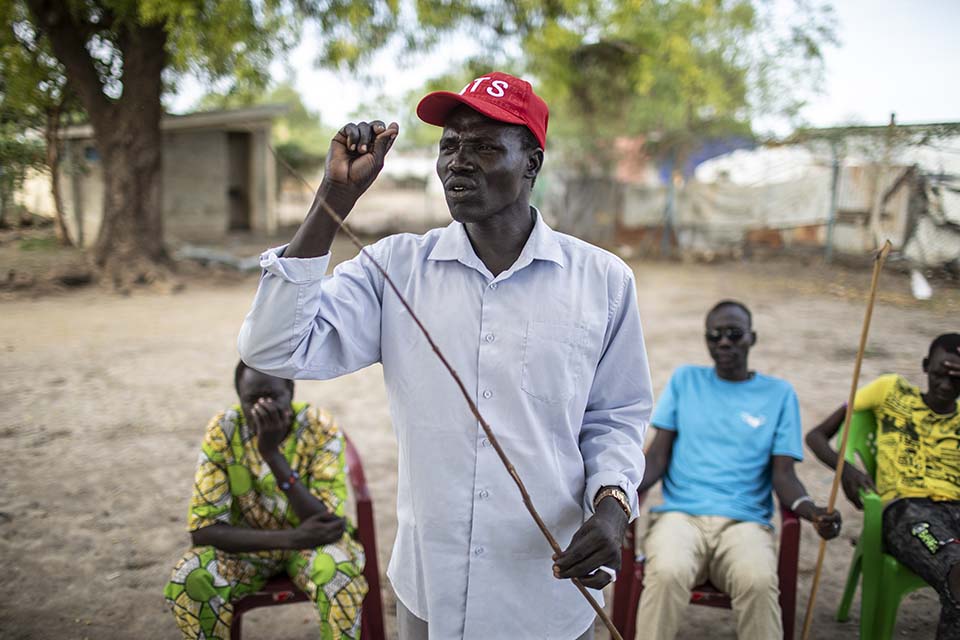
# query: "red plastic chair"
{"type": "Point", "coordinates": [280, 590]}
{"type": "Point", "coordinates": [629, 586]}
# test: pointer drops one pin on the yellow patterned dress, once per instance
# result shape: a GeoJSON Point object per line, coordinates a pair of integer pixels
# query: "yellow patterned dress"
{"type": "Point", "coordinates": [234, 486]}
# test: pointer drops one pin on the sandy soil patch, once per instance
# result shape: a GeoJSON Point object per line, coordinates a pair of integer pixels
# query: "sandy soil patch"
{"type": "Point", "coordinates": [105, 399]}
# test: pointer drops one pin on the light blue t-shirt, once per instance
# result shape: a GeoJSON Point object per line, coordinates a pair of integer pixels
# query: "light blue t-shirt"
{"type": "Point", "coordinates": [726, 434]}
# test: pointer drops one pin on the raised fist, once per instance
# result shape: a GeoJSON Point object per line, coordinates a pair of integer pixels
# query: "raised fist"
{"type": "Point", "coordinates": [356, 155]}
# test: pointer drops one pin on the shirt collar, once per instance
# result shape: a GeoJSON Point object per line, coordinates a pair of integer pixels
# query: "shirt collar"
{"type": "Point", "coordinates": [542, 244]}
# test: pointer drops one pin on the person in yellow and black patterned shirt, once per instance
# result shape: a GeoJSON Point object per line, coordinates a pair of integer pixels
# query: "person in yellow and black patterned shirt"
{"type": "Point", "coordinates": [918, 471]}
{"type": "Point", "coordinates": [268, 498]}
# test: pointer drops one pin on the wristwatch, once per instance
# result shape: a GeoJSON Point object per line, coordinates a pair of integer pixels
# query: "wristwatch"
{"type": "Point", "coordinates": [617, 494]}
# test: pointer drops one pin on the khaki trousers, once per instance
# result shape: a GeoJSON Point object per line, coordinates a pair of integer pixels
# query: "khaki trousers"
{"type": "Point", "coordinates": [739, 558]}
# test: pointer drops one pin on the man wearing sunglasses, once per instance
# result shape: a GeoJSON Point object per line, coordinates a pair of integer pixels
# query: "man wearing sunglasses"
{"type": "Point", "coordinates": [726, 437]}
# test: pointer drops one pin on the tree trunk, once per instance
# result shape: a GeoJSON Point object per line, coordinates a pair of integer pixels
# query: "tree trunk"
{"type": "Point", "coordinates": [129, 249]}
{"type": "Point", "coordinates": [51, 136]}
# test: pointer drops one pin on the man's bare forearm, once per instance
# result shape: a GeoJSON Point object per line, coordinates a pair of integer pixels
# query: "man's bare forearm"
{"type": "Point", "coordinates": [315, 236]}
{"type": "Point", "coordinates": [240, 539]}
{"type": "Point", "coordinates": [819, 438]}
{"type": "Point", "coordinates": [658, 458]}
{"type": "Point", "coordinates": [787, 485]}
{"type": "Point", "coordinates": [354, 161]}
{"type": "Point", "coordinates": [652, 474]}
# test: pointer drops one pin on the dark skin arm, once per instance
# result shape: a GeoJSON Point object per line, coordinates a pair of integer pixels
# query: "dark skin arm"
{"type": "Point", "coordinates": [788, 488]}
{"type": "Point", "coordinates": [595, 544]}
{"type": "Point", "coordinates": [313, 532]}
{"type": "Point", "coordinates": [240, 539]}
{"type": "Point", "coordinates": [598, 541]}
{"type": "Point", "coordinates": [658, 458]}
{"type": "Point", "coordinates": [272, 424]}
{"type": "Point", "coordinates": [354, 161]}
{"type": "Point", "coordinates": [854, 480]}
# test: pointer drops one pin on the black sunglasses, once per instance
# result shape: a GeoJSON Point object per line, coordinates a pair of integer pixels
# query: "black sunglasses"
{"type": "Point", "coordinates": [734, 334]}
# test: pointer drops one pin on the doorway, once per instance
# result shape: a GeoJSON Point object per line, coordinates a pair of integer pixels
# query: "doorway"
{"type": "Point", "coordinates": [238, 180]}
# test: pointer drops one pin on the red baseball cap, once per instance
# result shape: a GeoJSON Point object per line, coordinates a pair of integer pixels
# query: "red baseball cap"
{"type": "Point", "coordinates": [496, 95]}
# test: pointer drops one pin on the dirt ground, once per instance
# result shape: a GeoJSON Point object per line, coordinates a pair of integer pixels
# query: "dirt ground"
{"type": "Point", "coordinates": [105, 398]}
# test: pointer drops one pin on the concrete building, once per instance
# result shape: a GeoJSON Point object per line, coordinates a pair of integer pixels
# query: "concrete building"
{"type": "Point", "coordinates": [219, 175]}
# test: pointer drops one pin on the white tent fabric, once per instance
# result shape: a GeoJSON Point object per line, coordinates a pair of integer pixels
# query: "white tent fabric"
{"type": "Point", "coordinates": [757, 167]}
{"type": "Point", "coordinates": [804, 200]}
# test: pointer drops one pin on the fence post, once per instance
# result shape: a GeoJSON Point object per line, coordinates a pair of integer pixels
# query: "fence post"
{"type": "Point", "coordinates": [834, 200]}
{"type": "Point", "coordinates": [877, 203]}
{"type": "Point", "coordinates": [669, 211]}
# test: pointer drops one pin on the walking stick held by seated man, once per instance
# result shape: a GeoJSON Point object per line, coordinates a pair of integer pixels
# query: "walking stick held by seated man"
{"type": "Point", "coordinates": [878, 261]}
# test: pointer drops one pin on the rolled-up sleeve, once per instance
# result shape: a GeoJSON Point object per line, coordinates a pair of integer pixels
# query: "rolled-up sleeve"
{"type": "Point", "coordinates": [304, 324]}
{"type": "Point", "coordinates": [619, 405]}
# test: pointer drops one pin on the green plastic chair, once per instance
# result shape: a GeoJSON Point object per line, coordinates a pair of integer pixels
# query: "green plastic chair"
{"type": "Point", "coordinates": [885, 580]}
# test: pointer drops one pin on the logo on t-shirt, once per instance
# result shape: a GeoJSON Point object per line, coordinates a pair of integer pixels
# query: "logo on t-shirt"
{"type": "Point", "coordinates": [754, 422]}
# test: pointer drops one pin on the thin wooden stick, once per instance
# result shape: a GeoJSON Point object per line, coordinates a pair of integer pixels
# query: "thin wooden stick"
{"type": "Point", "coordinates": [878, 261]}
{"type": "Point", "coordinates": [527, 501]}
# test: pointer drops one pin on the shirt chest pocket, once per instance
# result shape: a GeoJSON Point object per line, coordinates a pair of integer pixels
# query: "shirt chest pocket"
{"type": "Point", "coordinates": [552, 361]}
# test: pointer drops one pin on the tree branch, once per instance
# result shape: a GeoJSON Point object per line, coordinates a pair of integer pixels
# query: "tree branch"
{"type": "Point", "coordinates": [54, 19]}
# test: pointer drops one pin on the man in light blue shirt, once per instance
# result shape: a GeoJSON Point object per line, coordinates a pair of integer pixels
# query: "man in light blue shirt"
{"type": "Point", "coordinates": [725, 436]}
{"type": "Point", "coordinates": [545, 333]}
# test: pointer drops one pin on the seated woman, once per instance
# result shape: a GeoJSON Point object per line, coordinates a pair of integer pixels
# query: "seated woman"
{"type": "Point", "coordinates": [268, 498]}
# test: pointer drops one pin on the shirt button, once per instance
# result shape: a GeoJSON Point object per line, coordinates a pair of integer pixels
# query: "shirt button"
{"type": "Point", "coordinates": [493, 285]}
{"type": "Point", "coordinates": [484, 494]}
{"type": "Point", "coordinates": [489, 337]}
{"type": "Point", "coordinates": [478, 551]}
{"type": "Point", "coordinates": [484, 443]}
{"type": "Point", "coordinates": [488, 394]}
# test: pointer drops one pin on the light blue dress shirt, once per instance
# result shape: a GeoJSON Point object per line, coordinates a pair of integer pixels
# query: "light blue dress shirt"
{"type": "Point", "coordinates": [552, 352]}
